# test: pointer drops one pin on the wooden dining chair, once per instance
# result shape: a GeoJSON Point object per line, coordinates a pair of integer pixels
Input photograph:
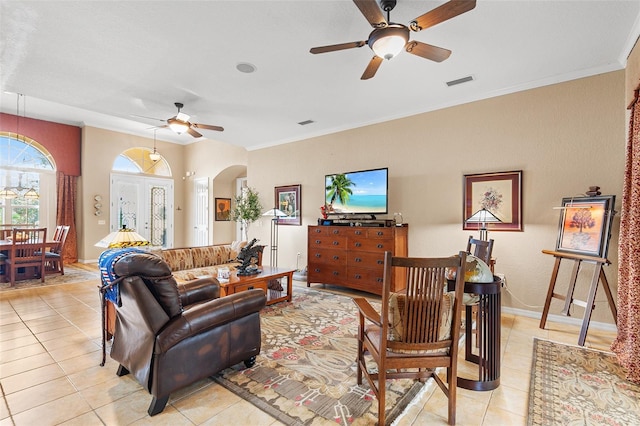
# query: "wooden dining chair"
{"type": "Point", "coordinates": [3, 268]}
{"type": "Point", "coordinates": [54, 257]}
{"type": "Point", "coordinates": [481, 249]}
{"type": "Point", "coordinates": [27, 250]}
{"type": "Point", "coordinates": [416, 330]}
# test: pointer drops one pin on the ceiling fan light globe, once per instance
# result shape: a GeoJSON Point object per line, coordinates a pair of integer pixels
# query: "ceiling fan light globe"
{"type": "Point", "coordinates": [154, 156]}
{"type": "Point", "coordinates": [178, 126]}
{"type": "Point", "coordinates": [387, 42]}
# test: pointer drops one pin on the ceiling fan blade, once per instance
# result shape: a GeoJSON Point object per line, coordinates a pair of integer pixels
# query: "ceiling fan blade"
{"type": "Point", "coordinates": [148, 118]}
{"type": "Point", "coordinates": [208, 127]}
{"type": "Point", "coordinates": [334, 47]}
{"type": "Point", "coordinates": [372, 68]}
{"type": "Point", "coordinates": [194, 133]}
{"type": "Point", "coordinates": [372, 13]}
{"type": "Point", "coordinates": [427, 51]}
{"type": "Point", "coordinates": [442, 13]}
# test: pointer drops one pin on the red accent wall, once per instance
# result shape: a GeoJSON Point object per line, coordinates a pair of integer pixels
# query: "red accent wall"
{"type": "Point", "coordinates": [61, 140]}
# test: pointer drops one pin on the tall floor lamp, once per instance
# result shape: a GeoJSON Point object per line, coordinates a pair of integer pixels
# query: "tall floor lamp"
{"type": "Point", "coordinates": [274, 213]}
{"type": "Point", "coordinates": [483, 216]}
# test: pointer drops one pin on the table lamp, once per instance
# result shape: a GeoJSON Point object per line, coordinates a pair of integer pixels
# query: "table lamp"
{"type": "Point", "coordinates": [122, 238]}
{"type": "Point", "coordinates": [482, 217]}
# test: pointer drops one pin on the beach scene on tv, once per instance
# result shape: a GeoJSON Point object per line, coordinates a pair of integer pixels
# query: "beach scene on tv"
{"type": "Point", "coordinates": [357, 192]}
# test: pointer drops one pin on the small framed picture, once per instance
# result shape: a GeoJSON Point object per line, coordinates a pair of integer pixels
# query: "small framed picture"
{"type": "Point", "coordinates": [500, 193]}
{"type": "Point", "coordinates": [289, 202]}
{"type": "Point", "coordinates": [223, 209]}
{"type": "Point", "coordinates": [585, 225]}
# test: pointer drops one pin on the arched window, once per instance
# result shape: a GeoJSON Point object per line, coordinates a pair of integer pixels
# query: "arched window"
{"type": "Point", "coordinates": [27, 181]}
{"type": "Point", "coordinates": [138, 160]}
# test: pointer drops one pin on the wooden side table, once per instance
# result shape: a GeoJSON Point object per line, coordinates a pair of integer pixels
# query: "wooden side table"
{"type": "Point", "coordinates": [488, 336]}
{"type": "Point", "coordinates": [262, 280]}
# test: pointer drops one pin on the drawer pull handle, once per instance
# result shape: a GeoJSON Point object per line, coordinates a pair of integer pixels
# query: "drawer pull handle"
{"type": "Point", "coordinates": [380, 246]}
{"type": "Point", "coordinates": [336, 232]}
{"type": "Point", "coordinates": [358, 276]}
{"type": "Point", "coordinates": [250, 287]}
{"type": "Point", "coordinates": [336, 257]}
{"type": "Point", "coordinates": [358, 244]}
{"type": "Point", "coordinates": [379, 280]}
{"type": "Point", "coordinates": [316, 270]}
{"type": "Point", "coordinates": [358, 259]}
{"type": "Point", "coordinates": [358, 232]}
{"type": "Point", "coordinates": [380, 262]}
{"type": "Point", "coordinates": [317, 241]}
{"type": "Point", "coordinates": [335, 272]}
{"type": "Point", "coordinates": [380, 233]}
{"type": "Point", "coordinates": [317, 231]}
{"type": "Point", "coordinates": [336, 243]}
{"type": "Point", "coordinates": [318, 255]}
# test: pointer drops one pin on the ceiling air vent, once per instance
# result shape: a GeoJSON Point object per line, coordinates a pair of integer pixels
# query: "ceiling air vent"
{"type": "Point", "coordinates": [459, 81]}
{"type": "Point", "coordinates": [305, 122]}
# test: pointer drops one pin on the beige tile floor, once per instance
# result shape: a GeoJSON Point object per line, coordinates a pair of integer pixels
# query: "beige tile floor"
{"type": "Point", "coordinates": [50, 374]}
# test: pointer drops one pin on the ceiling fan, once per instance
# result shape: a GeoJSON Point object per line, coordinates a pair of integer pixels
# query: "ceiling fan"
{"type": "Point", "coordinates": [388, 38]}
{"type": "Point", "coordinates": [180, 123]}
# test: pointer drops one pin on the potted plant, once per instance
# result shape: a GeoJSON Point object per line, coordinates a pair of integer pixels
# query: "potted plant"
{"type": "Point", "coordinates": [247, 210]}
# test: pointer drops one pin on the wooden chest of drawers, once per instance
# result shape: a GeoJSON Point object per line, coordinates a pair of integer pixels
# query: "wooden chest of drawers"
{"type": "Point", "coordinates": [353, 256]}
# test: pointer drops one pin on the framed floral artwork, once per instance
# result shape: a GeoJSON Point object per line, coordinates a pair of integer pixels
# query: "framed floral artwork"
{"type": "Point", "coordinates": [585, 225]}
{"type": "Point", "coordinates": [289, 202]}
{"type": "Point", "coordinates": [500, 193]}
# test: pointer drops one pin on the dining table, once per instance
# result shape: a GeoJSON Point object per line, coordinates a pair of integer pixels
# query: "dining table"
{"type": "Point", "coordinates": [28, 273]}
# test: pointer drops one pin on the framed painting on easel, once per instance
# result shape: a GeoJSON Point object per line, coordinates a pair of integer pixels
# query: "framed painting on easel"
{"type": "Point", "coordinates": [585, 225]}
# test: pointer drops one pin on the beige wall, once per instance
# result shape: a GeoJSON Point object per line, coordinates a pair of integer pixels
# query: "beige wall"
{"type": "Point", "coordinates": [632, 74]}
{"type": "Point", "coordinates": [564, 137]}
{"type": "Point", "coordinates": [99, 150]}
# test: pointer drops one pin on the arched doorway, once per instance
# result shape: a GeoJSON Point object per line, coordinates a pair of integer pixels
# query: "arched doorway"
{"type": "Point", "coordinates": [142, 196]}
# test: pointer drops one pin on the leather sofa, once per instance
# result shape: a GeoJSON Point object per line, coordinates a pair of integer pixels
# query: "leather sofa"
{"type": "Point", "coordinates": [169, 336]}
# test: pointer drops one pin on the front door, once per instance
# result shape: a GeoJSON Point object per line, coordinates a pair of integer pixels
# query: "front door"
{"type": "Point", "coordinates": [144, 204]}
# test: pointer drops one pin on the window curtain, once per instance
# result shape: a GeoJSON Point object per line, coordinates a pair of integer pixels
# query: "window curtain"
{"type": "Point", "coordinates": [65, 214]}
{"type": "Point", "coordinates": [627, 344]}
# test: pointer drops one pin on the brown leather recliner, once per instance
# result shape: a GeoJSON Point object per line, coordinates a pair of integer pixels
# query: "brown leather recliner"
{"type": "Point", "coordinates": [170, 336]}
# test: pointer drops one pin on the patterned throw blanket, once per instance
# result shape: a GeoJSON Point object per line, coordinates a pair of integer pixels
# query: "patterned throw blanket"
{"type": "Point", "coordinates": [109, 289]}
{"type": "Point", "coordinates": [107, 259]}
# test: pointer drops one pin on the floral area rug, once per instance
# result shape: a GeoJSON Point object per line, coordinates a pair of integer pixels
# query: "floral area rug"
{"type": "Point", "coordinates": [72, 274]}
{"type": "Point", "coordinates": [572, 385]}
{"type": "Point", "coordinates": [306, 371]}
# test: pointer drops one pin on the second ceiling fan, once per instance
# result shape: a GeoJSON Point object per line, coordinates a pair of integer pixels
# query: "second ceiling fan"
{"type": "Point", "coordinates": [388, 38]}
{"type": "Point", "coordinates": [180, 123]}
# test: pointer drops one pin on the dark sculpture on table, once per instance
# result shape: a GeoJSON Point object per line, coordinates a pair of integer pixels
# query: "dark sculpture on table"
{"type": "Point", "coordinates": [248, 257]}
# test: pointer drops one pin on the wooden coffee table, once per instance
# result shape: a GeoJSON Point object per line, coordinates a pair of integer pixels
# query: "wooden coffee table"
{"type": "Point", "coordinates": [276, 276]}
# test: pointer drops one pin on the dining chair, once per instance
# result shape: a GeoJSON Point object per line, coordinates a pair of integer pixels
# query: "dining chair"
{"type": "Point", "coordinates": [3, 268]}
{"type": "Point", "coordinates": [54, 257]}
{"type": "Point", "coordinates": [416, 329]}
{"type": "Point", "coordinates": [481, 249]}
{"type": "Point", "coordinates": [27, 250]}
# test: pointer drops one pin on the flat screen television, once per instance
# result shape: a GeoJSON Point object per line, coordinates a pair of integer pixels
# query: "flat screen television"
{"type": "Point", "coordinates": [360, 192]}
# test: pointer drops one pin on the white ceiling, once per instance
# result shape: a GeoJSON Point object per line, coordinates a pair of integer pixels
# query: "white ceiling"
{"type": "Point", "coordinates": [102, 63]}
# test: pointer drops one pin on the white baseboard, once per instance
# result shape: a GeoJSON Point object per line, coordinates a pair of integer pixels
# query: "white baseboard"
{"type": "Point", "coordinates": [560, 318]}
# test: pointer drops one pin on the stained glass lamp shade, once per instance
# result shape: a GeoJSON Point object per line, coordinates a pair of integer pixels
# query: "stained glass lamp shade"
{"type": "Point", "coordinates": [123, 238]}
